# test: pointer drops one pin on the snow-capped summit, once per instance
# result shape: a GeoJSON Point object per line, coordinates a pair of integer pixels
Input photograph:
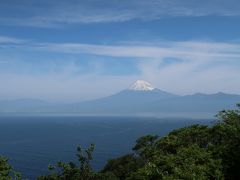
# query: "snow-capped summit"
{"type": "Point", "coordinates": [141, 85]}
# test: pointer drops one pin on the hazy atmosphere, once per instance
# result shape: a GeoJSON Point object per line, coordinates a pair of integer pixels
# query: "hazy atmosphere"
{"type": "Point", "coordinates": [66, 51]}
{"type": "Point", "coordinates": [119, 89]}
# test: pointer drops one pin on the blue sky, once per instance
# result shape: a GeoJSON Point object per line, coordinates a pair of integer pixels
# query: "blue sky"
{"type": "Point", "coordinates": [76, 50]}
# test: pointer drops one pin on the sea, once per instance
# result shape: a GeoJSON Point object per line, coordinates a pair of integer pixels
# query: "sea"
{"type": "Point", "coordinates": [33, 142]}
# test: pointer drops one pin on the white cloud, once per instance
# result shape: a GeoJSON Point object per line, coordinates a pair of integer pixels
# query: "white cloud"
{"type": "Point", "coordinates": [10, 40]}
{"type": "Point", "coordinates": [182, 50]}
{"type": "Point", "coordinates": [56, 13]}
{"type": "Point", "coordinates": [187, 78]}
{"type": "Point", "coordinates": [177, 78]}
{"type": "Point", "coordinates": [203, 66]}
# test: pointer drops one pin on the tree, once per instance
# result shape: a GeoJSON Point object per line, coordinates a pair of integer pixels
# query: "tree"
{"type": "Point", "coordinates": [226, 142]}
{"type": "Point", "coordinates": [194, 152]}
{"type": "Point", "coordinates": [145, 146]}
{"type": "Point", "coordinates": [71, 171]}
{"type": "Point", "coordinates": [191, 162]}
{"type": "Point", "coordinates": [6, 171]}
{"type": "Point", "coordinates": [124, 166]}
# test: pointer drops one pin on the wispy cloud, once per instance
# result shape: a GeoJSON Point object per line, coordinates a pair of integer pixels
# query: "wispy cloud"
{"type": "Point", "coordinates": [196, 51]}
{"type": "Point", "coordinates": [177, 66]}
{"type": "Point", "coordinates": [187, 49]}
{"type": "Point", "coordinates": [56, 13]}
{"type": "Point", "coordinates": [10, 40]}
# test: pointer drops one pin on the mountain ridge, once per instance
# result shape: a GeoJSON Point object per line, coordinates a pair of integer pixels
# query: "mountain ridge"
{"type": "Point", "coordinates": [144, 100]}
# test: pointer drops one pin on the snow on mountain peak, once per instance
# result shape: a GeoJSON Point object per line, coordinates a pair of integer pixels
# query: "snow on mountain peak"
{"type": "Point", "coordinates": [141, 85]}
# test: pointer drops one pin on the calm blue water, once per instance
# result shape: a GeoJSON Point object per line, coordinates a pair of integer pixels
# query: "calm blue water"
{"type": "Point", "coordinates": [32, 143]}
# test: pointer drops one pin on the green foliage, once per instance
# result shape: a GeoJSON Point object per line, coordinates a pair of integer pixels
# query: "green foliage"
{"type": "Point", "coordinates": [226, 141]}
{"type": "Point", "coordinates": [190, 162]}
{"type": "Point", "coordinates": [122, 167]}
{"type": "Point", "coordinates": [145, 146]}
{"type": "Point", "coordinates": [6, 171]}
{"type": "Point", "coordinates": [194, 152]}
{"type": "Point", "coordinates": [71, 171]}
{"type": "Point", "coordinates": [196, 134]}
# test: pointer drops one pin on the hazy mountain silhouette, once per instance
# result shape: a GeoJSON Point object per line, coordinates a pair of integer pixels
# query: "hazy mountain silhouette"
{"type": "Point", "coordinates": [141, 98]}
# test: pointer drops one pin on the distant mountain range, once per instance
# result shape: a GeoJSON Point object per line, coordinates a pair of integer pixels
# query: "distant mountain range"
{"type": "Point", "coordinates": [140, 99]}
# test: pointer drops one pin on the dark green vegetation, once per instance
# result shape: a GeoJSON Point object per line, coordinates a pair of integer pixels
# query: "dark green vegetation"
{"type": "Point", "coordinates": [6, 171]}
{"type": "Point", "coordinates": [194, 152]}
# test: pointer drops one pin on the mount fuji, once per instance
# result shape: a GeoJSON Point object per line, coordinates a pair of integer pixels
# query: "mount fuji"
{"type": "Point", "coordinates": [141, 98]}
{"type": "Point", "coordinates": [126, 101]}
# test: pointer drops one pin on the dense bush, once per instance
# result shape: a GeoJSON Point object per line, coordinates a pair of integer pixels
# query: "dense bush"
{"type": "Point", "coordinates": [194, 152]}
{"type": "Point", "coordinates": [6, 171]}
